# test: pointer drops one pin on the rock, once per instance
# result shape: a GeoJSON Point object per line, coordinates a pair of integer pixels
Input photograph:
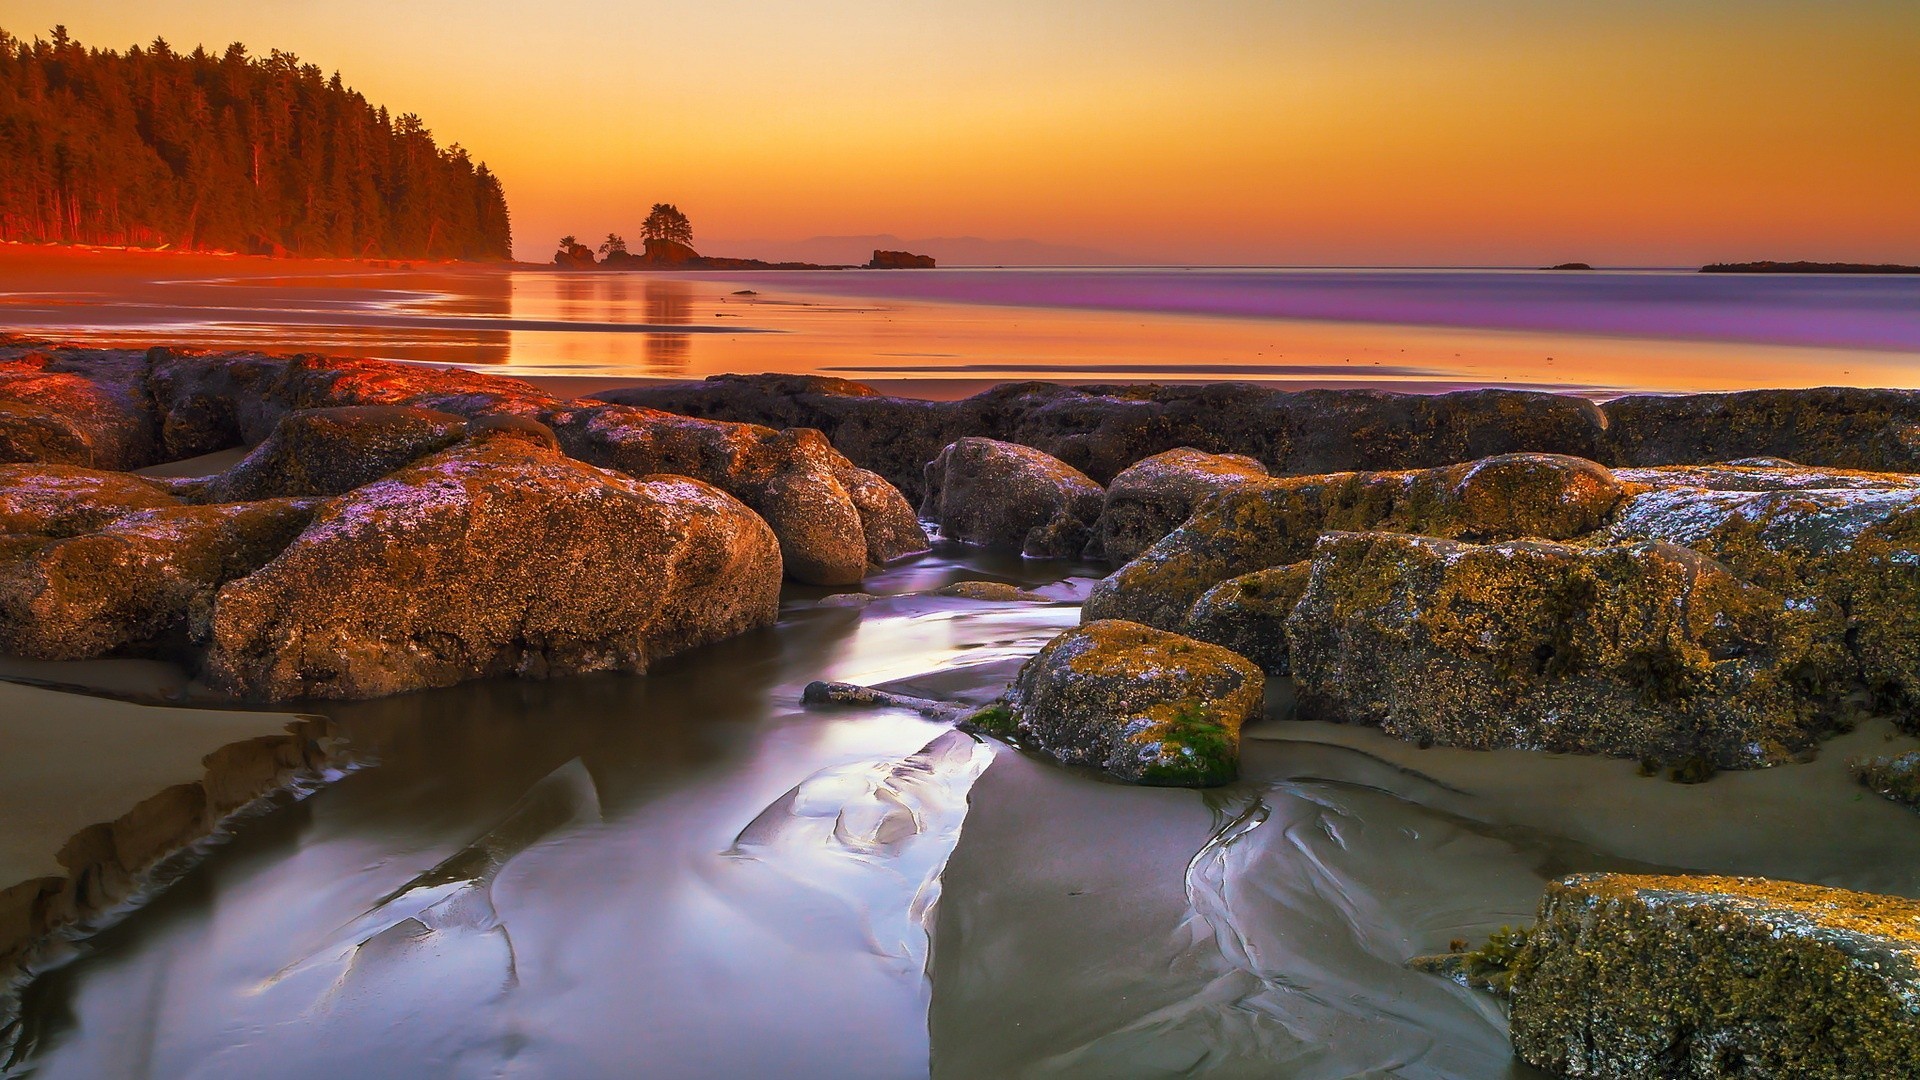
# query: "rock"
{"type": "Point", "coordinates": [1275, 523]}
{"type": "Point", "coordinates": [1248, 614]}
{"type": "Point", "coordinates": [1151, 497]}
{"type": "Point", "coordinates": [146, 579]}
{"type": "Point", "coordinates": [489, 558]}
{"type": "Point", "coordinates": [843, 693]}
{"type": "Point", "coordinates": [66, 500]}
{"type": "Point", "coordinates": [1854, 549]}
{"type": "Point", "coordinates": [899, 260]}
{"type": "Point", "coordinates": [1011, 498]}
{"type": "Point", "coordinates": [998, 592]}
{"type": "Point", "coordinates": [1833, 426]}
{"type": "Point", "coordinates": [1897, 778]}
{"type": "Point", "coordinates": [1640, 650]}
{"type": "Point", "coordinates": [210, 401]}
{"type": "Point", "coordinates": [332, 451]}
{"type": "Point", "coordinates": [1140, 704]}
{"type": "Point", "coordinates": [1763, 474]}
{"type": "Point", "coordinates": [1631, 976]}
{"type": "Point", "coordinates": [74, 406]}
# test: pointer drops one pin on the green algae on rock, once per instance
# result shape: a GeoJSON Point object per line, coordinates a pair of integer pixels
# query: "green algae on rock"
{"type": "Point", "coordinates": [1631, 976]}
{"type": "Point", "coordinates": [1275, 523]}
{"type": "Point", "coordinates": [1248, 614]}
{"type": "Point", "coordinates": [1639, 650]}
{"type": "Point", "coordinates": [1142, 705]}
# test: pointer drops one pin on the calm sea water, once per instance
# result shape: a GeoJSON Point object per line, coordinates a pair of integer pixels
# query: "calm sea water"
{"type": "Point", "coordinates": [953, 330]}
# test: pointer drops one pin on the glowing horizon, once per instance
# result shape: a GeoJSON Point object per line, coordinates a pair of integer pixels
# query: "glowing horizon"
{"type": "Point", "coordinates": [1508, 132]}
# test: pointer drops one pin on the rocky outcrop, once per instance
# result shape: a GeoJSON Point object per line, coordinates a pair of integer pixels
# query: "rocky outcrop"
{"type": "Point", "coordinates": [1896, 778]}
{"type": "Point", "coordinates": [1642, 650]}
{"type": "Point", "coordinates": [1275, 523]}
{"type": "Point", "coordinates": [1248, 614]}
{"type": "Point", "coordinates": [1833, 426]}
{"type": "Point", "coordinates": [899, 260]}
{"type": "Point", "coordinates": [492, 558]}
{"type": "Point", "coordinates": [65, 500]}
{"type": "Point", "coordinates": [1011, 498]}
{"type": "Point", "coordinates": [1632, 976]}
{"type": "Point", "coordinates": [1151, 497]}
{"type": "Point", "coordinates": [145, 581]}
{"type": "Point", "coordinates": [1101, 430]}
{"type": "Point", "coordinates": [1139, 704]}
{"type": "Point", "coordinates": [333, 451]}
{"type": "Point", "coordinates": [75, 407]}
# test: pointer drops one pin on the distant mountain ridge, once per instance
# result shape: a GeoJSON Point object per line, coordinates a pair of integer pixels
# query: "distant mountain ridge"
{"type": "Point", "coordinates": [948, 250]}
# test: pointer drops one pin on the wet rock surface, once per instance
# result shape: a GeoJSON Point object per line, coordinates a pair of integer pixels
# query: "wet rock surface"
{"type": "Point", "coordinates": [1011, 498]}
{"type": "Point", "coordinates": [1137, 703]}
{"type": "Point", "coordinates": [1646, 650]}
{"type": "Point", "coordinates": [1896, 778]}
{"type": "Point", "coordinates": [1627, 976]}
{"type": "Point", "coordinates": [491, 558]}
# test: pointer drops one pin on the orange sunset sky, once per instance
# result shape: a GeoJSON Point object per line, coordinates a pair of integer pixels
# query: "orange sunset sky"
{"type": "Point", "coordinates": [1622, 132]}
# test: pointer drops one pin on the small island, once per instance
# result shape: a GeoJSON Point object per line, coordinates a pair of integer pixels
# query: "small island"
{"type": "Point", "coordinates": [1569, 266]}
{"type": "Point", "coordinates": [667, 238]}
{"type": "Point", "coordinates": [1768, 267]}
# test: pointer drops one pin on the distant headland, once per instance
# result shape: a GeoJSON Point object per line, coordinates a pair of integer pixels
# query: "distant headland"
{"type": "Point", "coordinates": [1808, 268]}
{"type": "Point", "coordinates": [667, 237]}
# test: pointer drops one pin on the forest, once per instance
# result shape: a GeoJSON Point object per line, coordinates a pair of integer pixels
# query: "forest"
{"type": "Point", "coordinates": [228, 152]}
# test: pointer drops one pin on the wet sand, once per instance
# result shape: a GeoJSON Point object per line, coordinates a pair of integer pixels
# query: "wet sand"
{"type": "Point", "coordinates": [688, 874]}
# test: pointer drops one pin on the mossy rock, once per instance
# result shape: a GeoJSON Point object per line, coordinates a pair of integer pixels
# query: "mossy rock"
{"type": "Point", "coordinates": [1275, 523]}
{"type": "Point", "coordinates": [1637, 650]}
{"type": "Point", "coordinates": [1248, 614]}
{"type": "Point", "coordinates": [1634, 976]}
{"type": "Point", "coordinates": [1140, 704]}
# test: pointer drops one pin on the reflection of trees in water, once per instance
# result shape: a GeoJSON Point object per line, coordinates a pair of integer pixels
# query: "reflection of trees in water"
{"type": "Point", "coordinates": [669, 303]}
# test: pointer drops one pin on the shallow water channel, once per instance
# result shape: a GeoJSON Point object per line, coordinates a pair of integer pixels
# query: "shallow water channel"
{"type": "Point", "coordinates": [689, 874]}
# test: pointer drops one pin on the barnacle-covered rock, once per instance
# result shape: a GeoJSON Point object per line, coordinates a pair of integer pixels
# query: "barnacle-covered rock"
{"type": "Point", "coordinates": [1633, 976]}
{"type": "Point", "coordinates": [1643, 650]}
{"type": "Point", "coordinates": [65, 500]}
{"type": "Point", "coordinates": [1140, 704]}
{"type": "Point", "coordinates": [1248, 614]}
{"type": "Point", "coordinates": [1151, 497]}
{"type": "Point", "coordinates": [1829, 426]}
{"type": "Point", "coordinates": [332, 451]}
{"type": "Point", "coordinates": [1275, 523]}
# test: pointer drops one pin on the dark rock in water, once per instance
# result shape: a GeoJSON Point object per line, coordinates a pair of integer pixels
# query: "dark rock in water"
{"type": "Point", "coordinates": [66, 500]}
{"type": "Point", "coordinates": [333, 451]}
{"type": "Point", "coordinates": [1897, 778]}
{"type": "Point", "coordinates": [1635, 976]}
{"type": "Point", "coordinates": [899, 260]}
{"type": "Point", "coordinates": [998, 592]}
{"type": "Point", "coordinates": [1248, 614]}
{"type": "Point", "coordinates": [1011, 498]}
{"type": "Point", "coordinates": [1854, 549]}
{"type": "Point", "coordinates": [843, 693]}
{"type": "Point", "coordinates": [76, 407]}
{"type": "Point", "coordinates": [1140, 704]}
{"type": "Point", "coordinates": [492, 558]}
{"type": "Point", "coordinates": [1275, 523]}
{"type": "Point", "coordinates": [1641, 650]}
{"type": "Point", "coordinates": [1151, 497]}
{"type": "Point", "coordinates": [147, 578]}
{"type": "Point", "coordinates": [1834, 426]}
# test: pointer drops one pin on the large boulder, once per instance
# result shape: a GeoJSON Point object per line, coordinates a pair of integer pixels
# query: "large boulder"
{"type": "Point", "coordinates": [1634, 976]}
{"type": "Point", "coordinates": [1012, 498]}
{"type": "Point", "coordinates": [1140, 704]}
{"type": "Point", "coordinates": [65, 500]}
{"type": "Point", "coordinates": [1151, 497]}
{"type": "Point", "coordinates": [1248, 614]}
{"type": "Point", "coordinates": [1639, 650]}
{"type": "Point", "coordinates": [1854, 548]}
{"type": "Point", "coordinates": [332, 451]}
{"type": "Point", "coordinates": [1838, 426]}
{"type": "Point", "coordinates": [75, 407]}
{"type": "Point", "coordinates": [496, 556]}
{"type": "Point", "coordinates": [146, 580]}
{"type": "Point", "coordinates": [1275, 523]}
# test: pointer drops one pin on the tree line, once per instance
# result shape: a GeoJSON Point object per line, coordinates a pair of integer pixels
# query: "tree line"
{"type": "Point", "coordinates": [229, 152]}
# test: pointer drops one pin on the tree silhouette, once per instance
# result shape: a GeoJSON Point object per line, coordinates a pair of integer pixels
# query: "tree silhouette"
{"type": "Point", "coordinates": [666, 222]}
{"type": "Point", "coordinates": [225, 151]}
{"type": "Point", "coordinates": [569, 242]}
{"type": "Point", "coordinates": [613, 245]}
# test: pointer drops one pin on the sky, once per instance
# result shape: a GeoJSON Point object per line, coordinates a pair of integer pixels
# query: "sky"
{"type": "Point", "coordinates": [1294, 132]}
